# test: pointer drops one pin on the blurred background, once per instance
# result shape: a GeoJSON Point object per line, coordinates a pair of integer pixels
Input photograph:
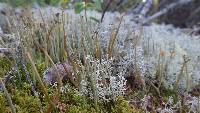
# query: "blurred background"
{"type": "Point", "coordinates": [187, 15]}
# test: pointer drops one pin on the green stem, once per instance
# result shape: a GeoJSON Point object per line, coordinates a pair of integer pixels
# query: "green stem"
{"type": "Point", "coordinates": [37, 76]}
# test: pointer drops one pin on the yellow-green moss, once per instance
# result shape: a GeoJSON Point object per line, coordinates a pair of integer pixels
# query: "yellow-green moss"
{"type": "Point", "coordinates": [5, 66]}
{"type": "Point", "coordinates": [4, 108]}
{"type": "Point", "coordinates": [122, 106]}
{"type": "Point", "coordinates": [25, 103]}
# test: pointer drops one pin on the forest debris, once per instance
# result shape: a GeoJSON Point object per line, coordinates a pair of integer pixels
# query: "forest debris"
{"type": "Point", "coordinates": [165, 10]}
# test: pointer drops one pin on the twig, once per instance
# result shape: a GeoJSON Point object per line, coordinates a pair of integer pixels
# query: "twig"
{"type": "Point", "coordinates": [192, 15]}
{"type": "Point", "coordinates": [146, 7]}
{"type": "Point", "coordinates": [165, 10]}
{"type": "Point", "coordinates": [85, 10]}
{"type": "Point", "coordinates": [106, 8]}
{"type": "Point", "coordinates": [135, 9]}
{"type": "Point", "coordinates": [156, 88]}
{"type": "Point", "coordinates": [196, 29]}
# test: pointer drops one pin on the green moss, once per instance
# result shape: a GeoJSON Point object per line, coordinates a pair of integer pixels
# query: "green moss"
{"type": "Point", "coordinates": [75, 103]}
{"type": "Point", "coordinates": [122, 106]}
{"type": "Point", "coordinates": [3, 105]}
{"type": "Point", "coordinates": [41, 68]}
{"type": "Point", "coordinates": [78, 109]}
{"type": "Point", "coordinates": [168, 92]}
{"type": "Point", "coordinates": [25, 102]}
{"type": "Point", "coordinates": [5, 66]}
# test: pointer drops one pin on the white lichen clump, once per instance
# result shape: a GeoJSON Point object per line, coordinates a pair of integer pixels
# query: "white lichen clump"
{"type": "Point", "coordinates": [101, 82]}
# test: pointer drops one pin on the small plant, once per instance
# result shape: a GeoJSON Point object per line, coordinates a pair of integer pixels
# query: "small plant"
{"type": "Point", "coordinates": [95, 5]}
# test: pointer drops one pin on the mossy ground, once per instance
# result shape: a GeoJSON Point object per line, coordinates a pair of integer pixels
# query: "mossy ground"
{"type": "Point", "coordinates": [5, 65]}
{"type": "Point", "coordinates": [70, 100]}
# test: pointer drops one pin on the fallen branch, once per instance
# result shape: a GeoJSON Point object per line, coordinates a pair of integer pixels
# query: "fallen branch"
{"type": "Point", "coordinates": [141, 10]}
{"type": "Point", "coordinates": [165, 10]}
{"type": "Point", "coordinates": [195, 31]}
{"type": "Point", "coordinates": [193, 14]}
{"type": "Point", "coordinates": [146, 7]}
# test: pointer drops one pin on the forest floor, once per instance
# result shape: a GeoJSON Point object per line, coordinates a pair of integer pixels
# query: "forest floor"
{"type": "Point", "coordinates": [54, 60]}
